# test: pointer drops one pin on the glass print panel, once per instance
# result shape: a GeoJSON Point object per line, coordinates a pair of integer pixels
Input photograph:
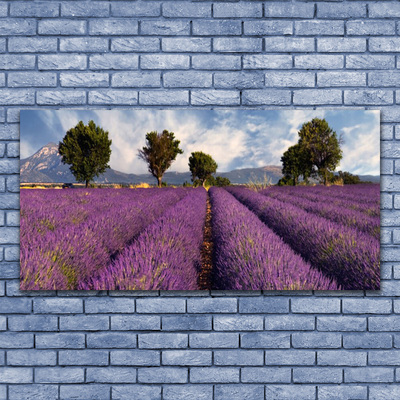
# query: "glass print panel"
{"type": "Point", "coordinates": [186, 199]}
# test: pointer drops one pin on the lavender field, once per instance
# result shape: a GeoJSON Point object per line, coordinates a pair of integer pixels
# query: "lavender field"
{"type": "Point", "coordinates": [280, 238]}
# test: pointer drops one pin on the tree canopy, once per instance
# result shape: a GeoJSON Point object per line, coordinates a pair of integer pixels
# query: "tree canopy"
{"type": "Point", "coordinates": [202, 166]}
{"type": "Point", "coordinates": [219, 181]}
{"type": "Point", "coordinates": [159, 153]}
{"type": "Point", "coordinates": [296, 162]}
{"type": "Point", "coordinates": [222, 181]}
{"type": "Point", "coordinates": [348, 178]}
{"type": "Point", "coordinates": [322, 145]}
{"type": "Point", "coordinates": [87, 149]}
{"type": "Point", "coordinates": [317, 154]}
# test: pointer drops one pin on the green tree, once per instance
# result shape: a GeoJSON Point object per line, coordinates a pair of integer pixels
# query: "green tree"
{"type": "Point", "coordinates": [202, 166]}
{"type": "Point", "coordinates": [210, 181]}
{"type": "Point", "coordinates": [285, 181]}
{"type": "Point", "coordinates": [322, 145]}
{"type": "Point", "coordinates": [213, 181]}
{"type": "Point", "coordinates": [348, 178]}
{"type": "Point", "coordinates": [296, 162]}
{"type": "Point", "coordinates": [87, 149]}
{"type": "Point", "coordinates": [221, 181]}
{"type": "Point", "coordinates": [160, 151]}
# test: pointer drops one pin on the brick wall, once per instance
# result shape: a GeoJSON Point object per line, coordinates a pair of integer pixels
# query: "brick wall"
{"type": "Point", "coordinates": [195, 345]}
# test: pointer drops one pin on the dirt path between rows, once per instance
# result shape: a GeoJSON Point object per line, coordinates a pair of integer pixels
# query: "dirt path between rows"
{"type": "Point", "coordinates": [205, 277]}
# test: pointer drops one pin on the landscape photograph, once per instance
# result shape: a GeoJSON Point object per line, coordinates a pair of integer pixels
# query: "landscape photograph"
{"type": "Point", "coordinates": [185, 199]}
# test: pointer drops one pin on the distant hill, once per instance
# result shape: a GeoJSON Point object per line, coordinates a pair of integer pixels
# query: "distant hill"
{"type": "Point", "coordinates": [370, 178]}
{"type": "Point", "coordinates": [45, 166]}
{"type": "Point", "coordinates": [244, 175]}
{"type": "Point", "coordinates": [367, 178]}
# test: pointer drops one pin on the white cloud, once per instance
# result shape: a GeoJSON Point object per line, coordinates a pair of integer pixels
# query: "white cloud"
{"type": "Point", "coordinates": [26, 149]}
{"type": "Point", "coordinates": [128, 135]}
{"type": "Point", "coordinates": [296, 118]}
{"type": "Point", "coordinates": [361, 147]}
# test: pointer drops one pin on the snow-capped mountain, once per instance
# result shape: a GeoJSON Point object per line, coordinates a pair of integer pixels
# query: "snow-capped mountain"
{"type": "Point", "coordinates": [45, 166]}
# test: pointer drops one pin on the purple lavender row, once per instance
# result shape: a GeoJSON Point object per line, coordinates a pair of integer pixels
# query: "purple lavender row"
{"type": "Point", "coordinates": [344, 216]}
{"type": "Point", "coordinates": [73, 252]}
{"type": "Point", "coordinates": [40, 208]}
{"type": "Point", "coordinates": [362, 188]}
{"type": "Point", "coordinates": [103, 210]}
{"type": "Point", "coordinates": [165, 256]}
{"type": "Point", "coordinates": [343, 253]}
{"type": "Point", "coordinates": [367, 193]}
{"type": "Point", "coordinates": [61, 258]}
{"type": "Point", "coordinates": [372, 210]}
{"type": "Point", "coordinates": [250, 256]}
{"type": "Point", "coordinates": [51, 209]}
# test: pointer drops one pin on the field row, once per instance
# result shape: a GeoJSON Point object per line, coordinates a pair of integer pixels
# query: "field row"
{"type": "Point", "coordinates": [344, 253]}
{"type": "Point", "coordinates": [68, 238]}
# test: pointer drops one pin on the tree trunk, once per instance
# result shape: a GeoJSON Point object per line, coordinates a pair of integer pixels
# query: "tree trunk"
{"type": "Point", "coordinates": [86, 184]}
{"type": "Point", "coordinates": [159, 181]}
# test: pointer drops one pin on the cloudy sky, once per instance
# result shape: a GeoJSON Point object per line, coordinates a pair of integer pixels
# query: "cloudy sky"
{"type": "Point", "coordinates": [234, 138]}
